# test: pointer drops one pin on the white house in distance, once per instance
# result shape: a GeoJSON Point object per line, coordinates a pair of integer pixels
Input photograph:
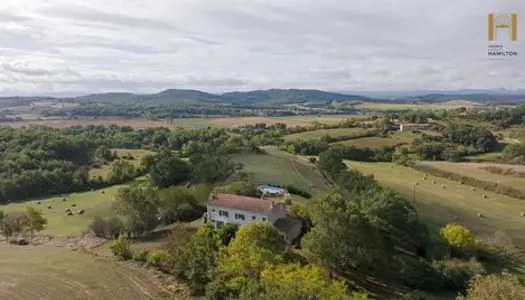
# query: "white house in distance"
{"type": "Point", "coordinates": [413, 126]}
{"type": "Point", "coordinates": [228, 208]}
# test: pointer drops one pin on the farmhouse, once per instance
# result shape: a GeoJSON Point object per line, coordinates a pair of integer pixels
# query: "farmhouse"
{"type": "Point", "coordinates": [235, 209]}
{"type": "Point", "coordinates": [413, 126]}
{"type": "Point", "coordinates": [272, 190]}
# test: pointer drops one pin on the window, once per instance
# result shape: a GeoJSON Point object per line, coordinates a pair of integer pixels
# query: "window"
{"type": "Point", "coordinates": [224, 213]}
{"type": "Point", "coordinates": [254, 217]}
{"type": "Point", "coordinates": [239, 216]}
{"type": "Point", "coordinates": [213, 210]}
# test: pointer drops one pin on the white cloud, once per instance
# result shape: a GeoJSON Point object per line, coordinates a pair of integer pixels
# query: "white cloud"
{"type": "Point", "coordinates": [73, 46]}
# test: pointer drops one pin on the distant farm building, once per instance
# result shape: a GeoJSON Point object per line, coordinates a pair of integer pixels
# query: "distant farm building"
{"type": "Point", "coordinates": [272, 190]}
{"type": "Point", "coordinates": [413, 126]}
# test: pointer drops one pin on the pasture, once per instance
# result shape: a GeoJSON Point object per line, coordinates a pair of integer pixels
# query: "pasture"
{"type": "Point", "coordinates": [371, 142]}
{"type": "Point", "coordinates": [335, 132]}
{"type": "Point", "coordinates": [276, 167]}
{"type": "Point", "coordinates": [440, 202]}
{"type": "Point", "coordinates": [405, 106]}
{"type": "Point", "coordinates": [478, 171]}
{"type": "Point", "coordinates": [48, 272]}
{"type": "Point", "coordinates": [94, 203]}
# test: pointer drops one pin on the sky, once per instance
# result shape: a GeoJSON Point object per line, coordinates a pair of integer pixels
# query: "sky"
{"type": "Point", "coordinates": [70, 47]}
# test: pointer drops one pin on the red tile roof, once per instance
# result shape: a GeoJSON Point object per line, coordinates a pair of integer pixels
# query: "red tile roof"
{"type": "Point", "coordinates": [242, 203]}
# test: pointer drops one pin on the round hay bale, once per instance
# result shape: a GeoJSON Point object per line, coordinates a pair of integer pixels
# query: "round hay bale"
{"type": "Point", "coordinates": [480, 215]}
{"type": "Point", "coordinates": [443, 186]}
{"type": "Point", "coordinates": [73, 205]}
{"type": "Point", "coordinates": [22, 242]}
{"type": "Point", "coordinates": [81, 212]}
{"type": "Point", "coordinates": [64, 199]}
{"type": "Point", "coordinates": [92, 190]}
{"type": "Point", "coordinates": [523, 214]}
{"type": "Point", "coordinates": [49, 207]}
{"type": "Point", "coordinates": [69, 213]}
{"type": "Point", "coordinates": [485, 196]}
{"type": "Point", "coordinates": [461, 182]}
{"type": "Point", "coordinates": [417, 183]}
{"type": "Point", "coordinates": [433, 182]}
{"type": "Point", "coordinates": [39, 202]}
{"type": "Point", "coordinates": [103, 192]}
{"type": "Point", "coordinates": [472, 189]}
{"type": "Point", "coordinates": [68, 209]}
{"type": "Point", "coordinates": [424, 178]}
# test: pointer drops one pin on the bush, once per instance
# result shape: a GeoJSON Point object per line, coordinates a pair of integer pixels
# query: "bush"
{"type": "Point", "coordinates": [142, 255]}
{"type": "Point", "coordinates": [98, 227]}
{"type": "Point", "coordinates": [459, 238]}
{"type": "Point", "coordinates": [360, 296]}
{"type": "Point", "coordinates": [121, 249]}
{"type": "Point", "coordinates": [416, 295]}
{"type": "Point", "coordinates": [157, 258]}
{"type": "Point", "coordinates": [297, 191]}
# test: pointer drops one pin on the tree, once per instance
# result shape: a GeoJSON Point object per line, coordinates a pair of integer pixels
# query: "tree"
{"type": "Point", "coordinates": [503, 287]}
{"type": "Point", "coordinates": [35, 219]}
{"type": "Point", "coordinates": [138, 205]}
{"type": "Point", "coordinates": [255, 246]}
{"type": "Point", "coordinates": [104, 154]}
{"type": "Point", "coordinates": [147, 161]}
{"type": "Point", "coordinates": [13, 224]}
{"type": "Point", "coordinates": [458, 237]}
{"type": "Point", "coordinates": [211, 168]}
{"type": "Point", "coordinates": [121, 171]}
{"type": "Point", "coordinates": [226, 233]}
{"type": "Point", "coordinates": [342, 238]}
{"type": "Point", "coordinates": [296, 282]}
{"type": "Point", "coordinates": [168, 170]}
{"type": "Point", "coordinates": [177, 204]}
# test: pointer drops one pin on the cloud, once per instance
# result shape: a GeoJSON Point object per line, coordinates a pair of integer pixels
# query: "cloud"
{"type": "Point", "coordinates": [130, 45]}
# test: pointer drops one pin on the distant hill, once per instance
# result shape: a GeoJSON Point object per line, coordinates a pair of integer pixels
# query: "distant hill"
{"type": "Point", "coordinates": [277, 97]}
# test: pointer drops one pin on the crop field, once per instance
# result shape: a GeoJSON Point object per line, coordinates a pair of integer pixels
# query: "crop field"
{"type": "Point", "coordinates": [276, 167]}
{"type": "Point", "coordinates": [335, 132]}
{"type": "Point", "coordinates": [440, 202]}
{"type": "Point", "coordinates": [402, 106]}
{"type": "Point", "coordinates": [371, 142]}
{"type": "Point", "coordinates": [325, 119]}
{"type": "Point", "coordinates": [53, 273]}
{"type": "Point", "coordinates": [137, 156]}
{"type": "Point", "coordinates": [242, 121]}
{"type": "Point", "coordinates": [477, 171]}
{"type": "Point", "coordinates": [94, 203]}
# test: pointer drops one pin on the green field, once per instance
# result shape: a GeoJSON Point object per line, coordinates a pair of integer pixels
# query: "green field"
{"type": "Point", "coordinates": [137, 156]}
{"type": "Point", "coordinates": [335, 132]}
{"type": "Point", "coordinates": [402, 106]}
{"type": "Point", "coordinates": [438, 205]}
{"type": "Point", "coordinates": [59, 224]}
{"type": "Point", "coordinates": [277, 167]}
{"type": "Point", "coordinates": [476, 171]}
{"type": "Point", "coordinates": [53, 273]}
{"type": "Point", "coordinates": [371, 142]}
{"type": "Point", "coordinates": [198, 123]}
{"type": "Point", "coordinates": [326, 119]}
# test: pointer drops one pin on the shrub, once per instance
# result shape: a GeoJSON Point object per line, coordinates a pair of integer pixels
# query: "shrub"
{"type": "Point", "coordinates": [416, 295]}
{"type": "Point", "coordinates": [360, 296]}
{"type": "Point", "coordinates": [142, 255]}
{"type": "Point", "coordinates": [297, 191]}
{"type": "Point", "coordinates": [459, 238]}
{"type": "Point", "coordinates": [97, 226]}
{"type": "Point", "coordinates": [121, 249]}
{"type": "Point", "coordinates": [504, 287]}
{"type": "Point", "coordinates": [313, 160]}
{"type": "Point", "coordinates": [157, 258]}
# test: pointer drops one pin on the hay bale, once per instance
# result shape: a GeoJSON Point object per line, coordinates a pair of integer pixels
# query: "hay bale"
{"type": "Point", "coordinates": [69, 213]}
{"type": "Point", "coordinates": [49, 207]}
{"type": "Point", "coordinates": [523, 214]}
{"type": "Point", "coordinates": [472, 189]}
{"type": "Point", "coordinates": [81, 212]}
{"type": "Point", "coordinates": [22, 242]}
{"type": "Point", "coordinates": [64, 199]}
{"type": "Point", "coordinates": [485, 196]}
{"type": "Point", "coordinates": [461, 182]}
{"type": "Point", "coordinates": [102, 192]}
{"type": "Point", "coordinates": [433, 182]}
{"type": "Point", "coordinates": [424, 178]}
{"type": "Point", "coordinates": [73, 205]}
{"type": "Point", "coordinates": [480, 215]}
{"type": "Point", "coordinates": [92, 190]}
{"type": "Point", "coordinates": [68, 210]}
{"type": "Point", "coordinates": [39, 202]}
{"type": "Point", "coordinates": [443, 186]}
{"type": "Point", "coordinates": [417, 183]}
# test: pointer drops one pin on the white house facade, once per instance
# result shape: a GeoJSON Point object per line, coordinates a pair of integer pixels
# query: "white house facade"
{"type": "Point", "coordinates": [226, 208]}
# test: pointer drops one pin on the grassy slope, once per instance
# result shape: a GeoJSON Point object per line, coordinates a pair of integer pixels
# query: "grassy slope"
{"type": "Point", "coordinates": [52, 273]}
{"type": "Point", "coordinates": [439, 206]}
{"type": "Point", "coordinates": [336, 132]}
{"type": "Point", "coordinates": [277, 167]}
{"type": "Point", "coordinates": [474, 170]}
{"type": "Point", "coordinates": [94, 203]}
{"type": "Point", "coordinates": [371, 142]}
